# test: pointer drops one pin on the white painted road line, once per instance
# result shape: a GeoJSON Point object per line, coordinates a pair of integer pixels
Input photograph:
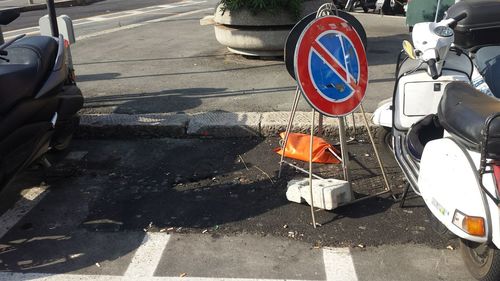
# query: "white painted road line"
{"type": "Point", "coordinates": [130, 26]}
{"type": "Point", "coordinates": [339, 265]}
{"type": "Point", "coordinates": [21, 208]}
{"type": "Point", "coordinates": [148, 255]}
{"type": "Point", "coordinates": [6, 276]}
{"type": "Point", "coordinates": [131, 13]}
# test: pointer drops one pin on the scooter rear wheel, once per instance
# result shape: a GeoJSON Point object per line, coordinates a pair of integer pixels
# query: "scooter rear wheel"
{"type": "Point", "coordinates": [482, 260]}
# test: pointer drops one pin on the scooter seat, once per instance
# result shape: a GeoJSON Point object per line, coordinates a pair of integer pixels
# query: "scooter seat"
{"type": "Point", "coordinates": [30, 61]}
{"type": "Point", "coordinates": [422, 132]}
{"type": "Point", "coordinates": [463, 112]}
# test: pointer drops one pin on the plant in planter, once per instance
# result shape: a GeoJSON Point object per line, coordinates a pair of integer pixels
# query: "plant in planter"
{"type": "Point", "coordinates": [257, 6]}
{"type": "Point", "coordinates": [259, 27]}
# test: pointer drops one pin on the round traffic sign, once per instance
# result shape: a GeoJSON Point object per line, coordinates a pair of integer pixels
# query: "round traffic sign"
{"type": "Point", "coordinates": [294, 35]}
{"type": "Point", "coordinates": [331, 67]}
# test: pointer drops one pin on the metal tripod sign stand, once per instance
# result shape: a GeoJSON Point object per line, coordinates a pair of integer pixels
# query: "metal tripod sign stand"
{"type": "Point", "coordinates": [331, 70]}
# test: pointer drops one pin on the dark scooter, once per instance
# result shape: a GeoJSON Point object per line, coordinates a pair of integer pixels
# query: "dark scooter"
{"type": "Point", "coordinates": [39, 99]}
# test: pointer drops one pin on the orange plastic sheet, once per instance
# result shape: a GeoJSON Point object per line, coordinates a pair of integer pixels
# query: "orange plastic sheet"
{"type": "Point", "coordinates": [298, 144]}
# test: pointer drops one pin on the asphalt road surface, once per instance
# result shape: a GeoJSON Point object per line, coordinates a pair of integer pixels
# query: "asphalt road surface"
{"type": "Point", "coordinates": [202, 209]}
{"type": "Point", "coordinates": [207, 209]}
{"type": "Point", "coordinates": [29, 19]}
{"type": "Point", "coordinates": [158, 59]}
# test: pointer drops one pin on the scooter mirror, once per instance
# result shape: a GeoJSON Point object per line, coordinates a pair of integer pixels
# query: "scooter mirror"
{"type": "Point", "coordinates": [409, 50]}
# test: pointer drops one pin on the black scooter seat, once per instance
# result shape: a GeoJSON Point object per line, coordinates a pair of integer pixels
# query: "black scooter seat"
{"type": "Point", "coordinates": [31, 61]}
{"type": "Point", "coordinates": [463, 112]}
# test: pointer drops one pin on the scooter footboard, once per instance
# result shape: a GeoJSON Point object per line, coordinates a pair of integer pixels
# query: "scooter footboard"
{"type": "Point", "coordinates": [449, 184]}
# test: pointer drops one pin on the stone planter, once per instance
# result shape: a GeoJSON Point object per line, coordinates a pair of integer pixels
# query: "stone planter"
{"type": "Point", "coordinates": [263, 34]}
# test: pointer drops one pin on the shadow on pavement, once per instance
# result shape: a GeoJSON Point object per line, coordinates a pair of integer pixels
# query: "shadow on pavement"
{"type": "Point", "coordinates": [117, 76]}
{"type": "Point", "coordinates": [150, 59]}
{"type": "Point", "coordinates": [385, 49]}
{"type": "Point", "coordinates": [167, 101]}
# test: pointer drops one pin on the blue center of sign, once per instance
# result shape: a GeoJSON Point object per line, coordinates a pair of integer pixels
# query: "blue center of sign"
{"type": "Point", "coordinates": [331, 84]}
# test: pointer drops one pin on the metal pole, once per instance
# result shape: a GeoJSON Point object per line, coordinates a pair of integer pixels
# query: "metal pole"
{"type": "Point", "coordinates": [302, 170]}
{"type": "Point", "coordinates": [320, 125]}
{"type": "Point", "coordinates": [310, 168]}
{"type": "Point", "coordinates": [387, 187]}
{"type": "Point", "coordinates": [353, 137]}
{"type": "Point", "coordinates": [437, 10]}
{"type": "Point", "coordinates": [345, 153]}
{"type": "Point", "coordinates": [289, 127]}
{"type": "Point", "coordinates": [53, 18]}
{"type": "Point", "coordinates": [343, 148]}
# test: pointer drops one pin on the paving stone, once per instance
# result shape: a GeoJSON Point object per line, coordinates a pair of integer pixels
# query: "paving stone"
{"type": "Point", "coordinates": [124, 125]}
{"type": "Point", "coordinates": [225, 124]}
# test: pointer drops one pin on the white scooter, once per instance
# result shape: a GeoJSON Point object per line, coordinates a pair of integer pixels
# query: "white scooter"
{"type": "Point", "coordinates": [446, 136]}
{"type": "Point", "coordinates": [476, 36]}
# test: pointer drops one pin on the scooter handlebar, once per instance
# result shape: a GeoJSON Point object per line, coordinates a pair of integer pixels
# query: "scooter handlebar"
{"type": "Point", "coordinates": [8, 43]}
{"type": "Point", "coordinates": [433, 69]}
{"type": "Point", "coordinates": [460, 17]}
{"type": "Point", "coordinates": [457, 19]}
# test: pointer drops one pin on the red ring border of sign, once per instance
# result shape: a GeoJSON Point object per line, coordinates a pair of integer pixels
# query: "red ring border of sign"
{"type": "Point", "coordinates": [301, 58]}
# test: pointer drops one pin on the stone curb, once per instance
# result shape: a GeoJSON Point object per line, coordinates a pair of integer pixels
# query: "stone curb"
{"type": "Point", "coordinates": [207, 124]}
{"type": "Point", "coordinates": [58, 4]}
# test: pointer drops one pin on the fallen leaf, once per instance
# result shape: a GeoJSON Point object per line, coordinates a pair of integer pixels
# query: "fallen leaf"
{"type": "Point", "coordinates": [184, 274]}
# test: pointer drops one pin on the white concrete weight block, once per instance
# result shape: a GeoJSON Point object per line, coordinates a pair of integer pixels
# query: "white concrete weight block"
{"type": "Point", "coordinates": [293, 191]}
{"type": "Point", "coordinates": [328, 194]}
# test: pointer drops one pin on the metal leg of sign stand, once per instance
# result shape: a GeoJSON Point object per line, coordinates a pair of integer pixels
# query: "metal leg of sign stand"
{"type": "Point", "coordinates": [287, 135]}
{"type": "Point", "coordinates": [320, 125]}
{"type": "Point", "coordinates": [405, 194]}
{"type": "Point", "coordinates": [379, 160]}
{"type": "Point", "coordinates": [310, 168]}
{"type": "Point", "coordinates": [343, 149]}
{"type": "Point", "coordinates": [387, 188]}
{"type": "Point", "coordinates": [353, 137]}
{"type": "Point", "coordinates": [344, 152]}
{"type": "Point", "coordinates": [289, 128]}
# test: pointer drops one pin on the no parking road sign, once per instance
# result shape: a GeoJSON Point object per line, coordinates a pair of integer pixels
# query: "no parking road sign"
{"type": "Point", "coordinates": [331, 66]}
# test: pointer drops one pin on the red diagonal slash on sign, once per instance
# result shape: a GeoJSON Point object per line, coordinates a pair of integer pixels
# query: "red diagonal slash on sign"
{"type": "Point", "coordinates": [333, 63]}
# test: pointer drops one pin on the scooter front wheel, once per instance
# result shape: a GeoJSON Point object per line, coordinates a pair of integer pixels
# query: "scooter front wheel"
{"type": "Point", "coordinates": [482, 260]}
{"type": "Point", "coordinates": [383, 136]}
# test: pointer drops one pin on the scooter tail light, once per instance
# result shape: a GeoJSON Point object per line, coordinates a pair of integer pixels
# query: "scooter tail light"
{"type": "Point", "coordinates": [472, 225]}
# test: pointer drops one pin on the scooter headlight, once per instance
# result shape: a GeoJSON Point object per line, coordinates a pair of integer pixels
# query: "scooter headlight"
{"type": "Point", "coordinates": [443, 31]}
